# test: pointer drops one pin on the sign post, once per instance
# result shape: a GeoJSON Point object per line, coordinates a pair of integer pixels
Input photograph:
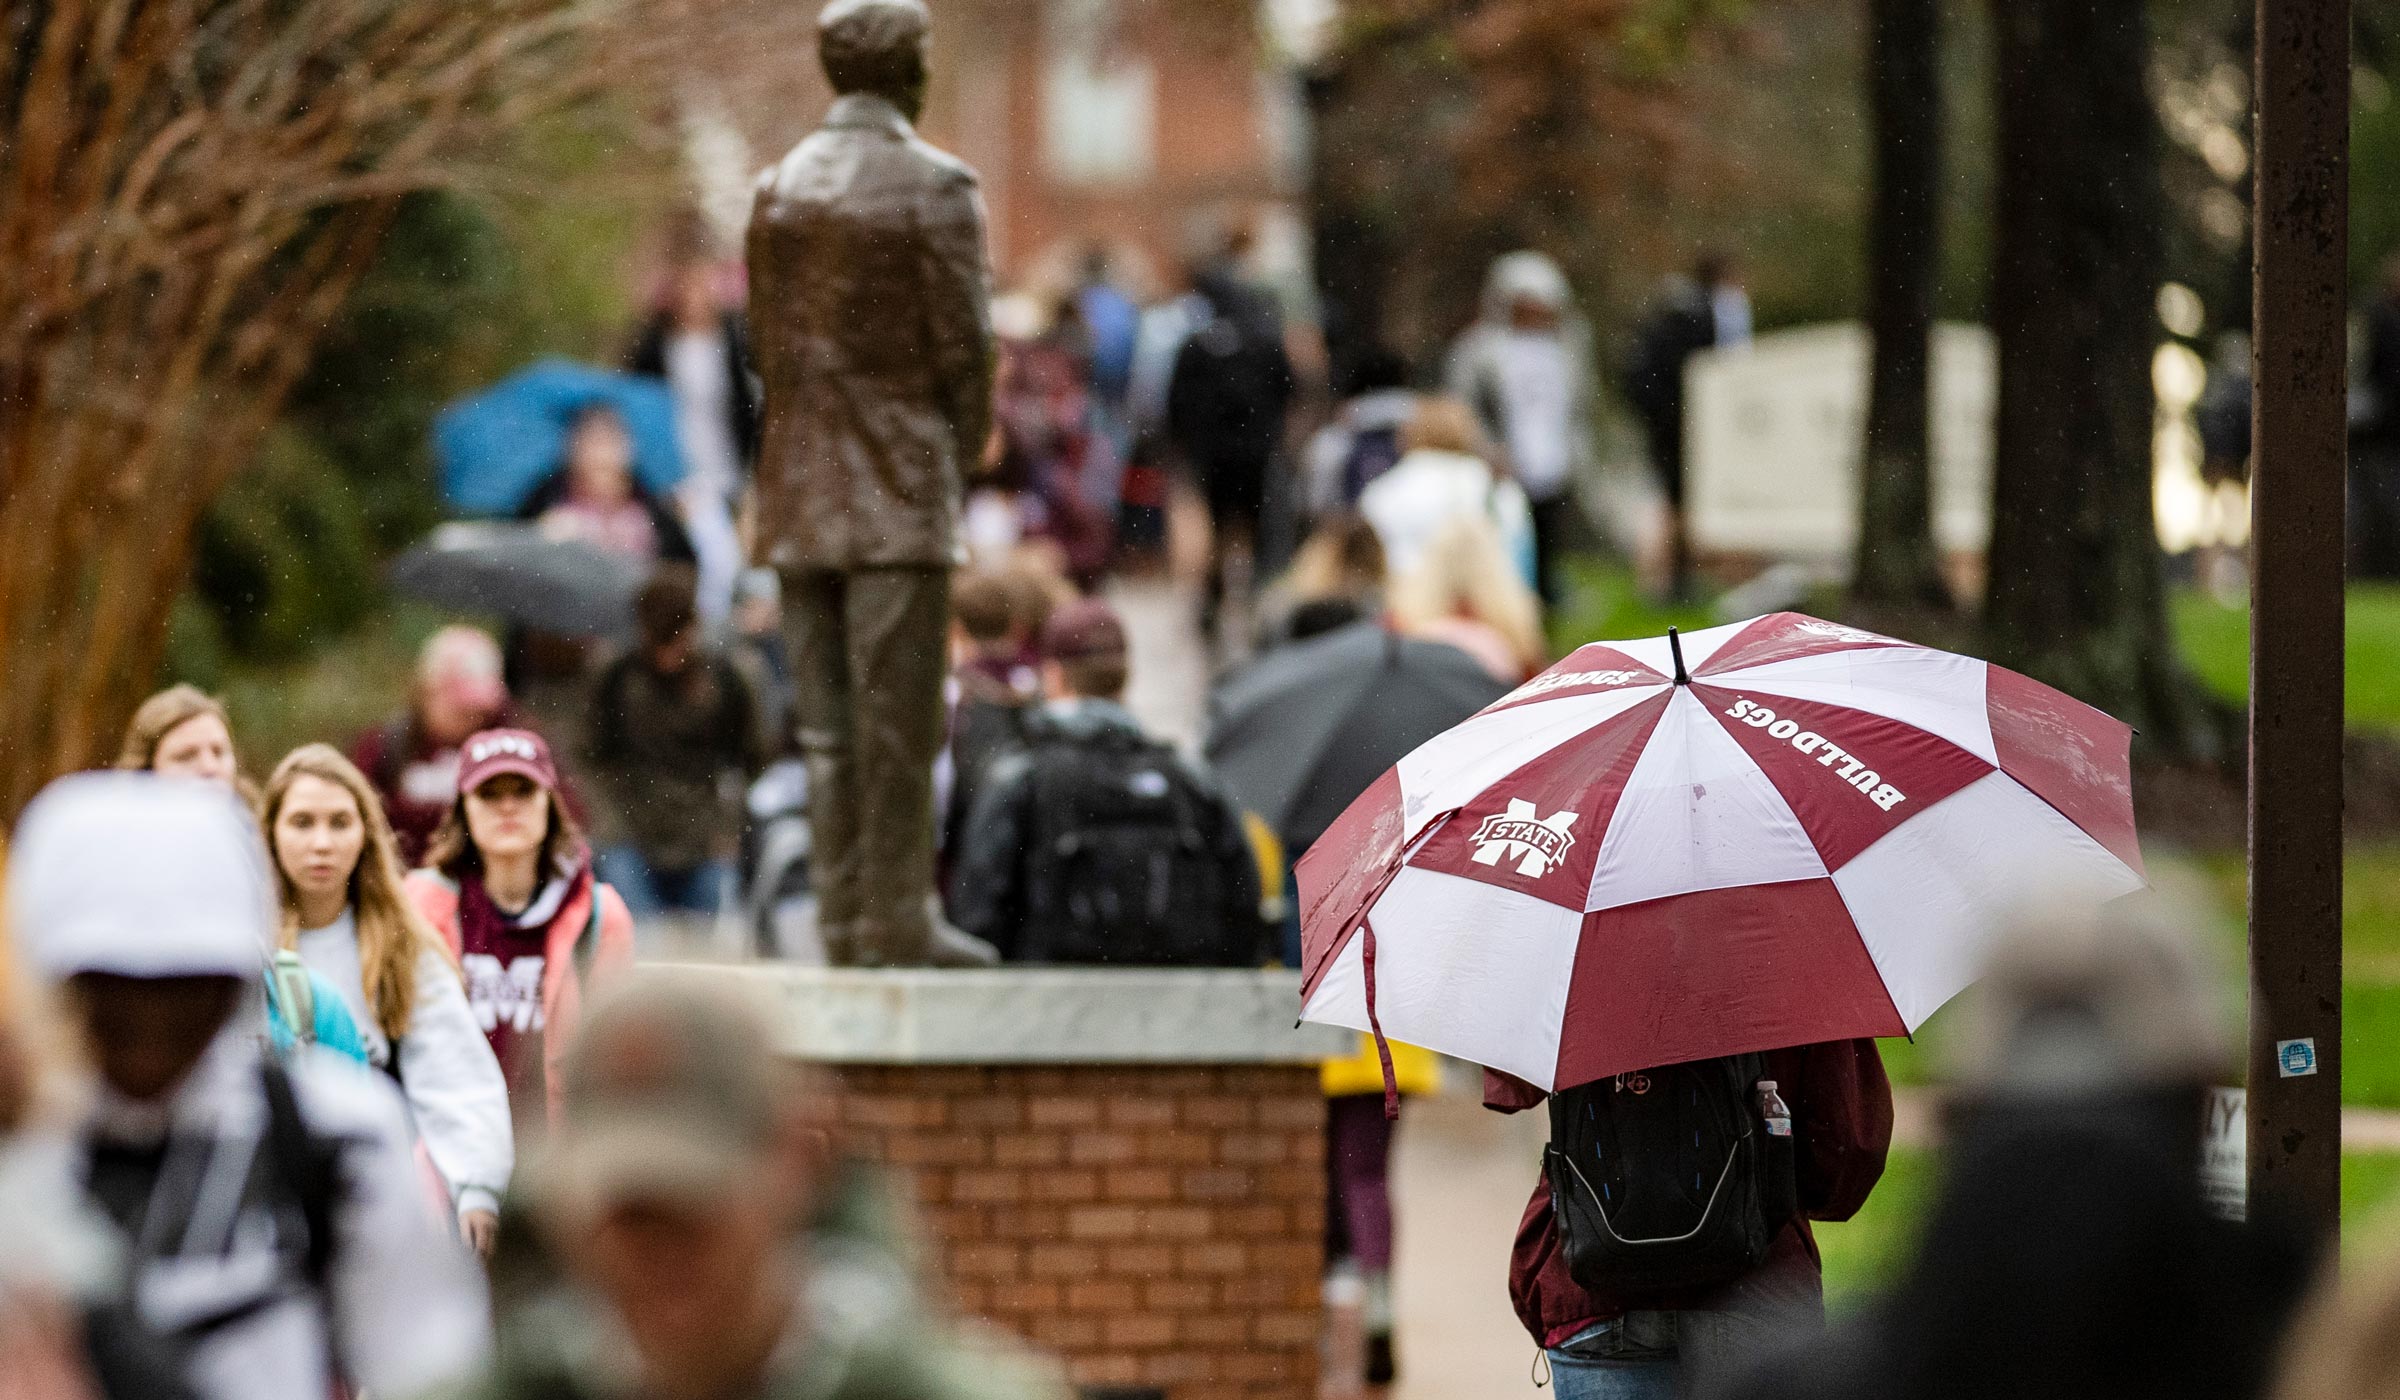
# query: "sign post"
{"type": "Point", "coordinates": [2298, 466]}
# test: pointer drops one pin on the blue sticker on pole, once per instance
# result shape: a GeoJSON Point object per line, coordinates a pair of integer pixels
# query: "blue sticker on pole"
{"type": "Point", "coordinates": [2296, 1058]}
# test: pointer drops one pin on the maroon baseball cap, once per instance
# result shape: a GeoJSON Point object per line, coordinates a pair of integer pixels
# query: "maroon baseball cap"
{"type": "Point", "coordinates": [494, 752]}
{"type": "Point", "coordinates": [1087, 627]}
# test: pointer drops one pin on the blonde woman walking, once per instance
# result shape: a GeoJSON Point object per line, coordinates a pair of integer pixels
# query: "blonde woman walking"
{"type": "Point", "coordinates": [337, 870]}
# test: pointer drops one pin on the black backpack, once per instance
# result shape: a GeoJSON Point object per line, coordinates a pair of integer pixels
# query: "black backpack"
{"type": "Point", "coordinates": [1124, 864]}
{"type": "Point", "coordinates": [1667, 1179]}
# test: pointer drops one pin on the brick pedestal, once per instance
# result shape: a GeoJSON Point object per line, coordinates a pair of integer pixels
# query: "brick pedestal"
{"type": "Point", "coordinates": [1124, 1168]}
{"type": "Point", "coordinates": [1155, 1228]}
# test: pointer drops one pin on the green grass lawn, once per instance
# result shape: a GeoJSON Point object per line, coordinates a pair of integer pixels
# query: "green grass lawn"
{"type": "Point", "coordinates": [2216, 641]}
{"type": "Point", "coordinates": [1865, 1252]}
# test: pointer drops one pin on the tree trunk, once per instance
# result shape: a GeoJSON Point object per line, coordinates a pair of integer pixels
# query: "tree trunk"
{"type": "Point", "coordinates": [1898, 565]}
{"type": "Point", "coordinates": [2076, 595]}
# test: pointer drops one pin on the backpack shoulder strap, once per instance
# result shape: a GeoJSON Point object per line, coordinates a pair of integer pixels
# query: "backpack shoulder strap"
{"type": "Point", "coordinates": [306, 1163]}
{"type": "Point", "coordinates": [587, 943]}
{"type": "Point", "coordinates": [294, 995]}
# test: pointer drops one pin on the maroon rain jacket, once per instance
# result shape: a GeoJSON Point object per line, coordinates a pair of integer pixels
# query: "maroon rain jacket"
{"type": "Point", "coordinates": [1842, 1123]}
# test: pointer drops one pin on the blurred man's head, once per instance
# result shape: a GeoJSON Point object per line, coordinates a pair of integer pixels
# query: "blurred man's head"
{"type": "Point", "coordinates": [984, 606]}
{"type": "Point", "coordinates": [2095, 1002]}
{"type": "Point", "coordinates": [666, 614]}
{"type": "Point", "coordinates": [460, 687]}
{"type": "Point", "coordinates": [876, 47]}
{"type": "Point", "coordinates": [687, 1157]}
{"type": "Point", "coordinates": [154, 952]}
{"type": "Point", "coordinates": [1084, 653]}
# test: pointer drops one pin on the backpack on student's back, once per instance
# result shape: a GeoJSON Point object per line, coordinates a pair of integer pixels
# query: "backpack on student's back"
{"type": "Point", "coordinates": [1373, 451]}
{"type": "Point", "coordinates": [1667, 1179]}
{"type": "Point", "coordinates": [1122, 866]}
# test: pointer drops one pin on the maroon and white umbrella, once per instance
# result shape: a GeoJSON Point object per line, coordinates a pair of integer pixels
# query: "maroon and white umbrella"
{"type": "Point", "coordinates": [1765, 834]}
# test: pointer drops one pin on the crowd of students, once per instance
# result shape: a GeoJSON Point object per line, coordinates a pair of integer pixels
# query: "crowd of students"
{"type": "Point", "coordinates": [264, 1093]}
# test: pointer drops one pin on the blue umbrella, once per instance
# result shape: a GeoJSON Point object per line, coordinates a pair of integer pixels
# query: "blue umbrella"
{"type": "Point", "coordinates": [496, 447]}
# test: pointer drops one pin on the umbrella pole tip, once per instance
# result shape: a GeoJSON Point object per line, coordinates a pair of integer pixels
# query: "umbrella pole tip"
{"type": "Point", "coordinates": [1675, 644]}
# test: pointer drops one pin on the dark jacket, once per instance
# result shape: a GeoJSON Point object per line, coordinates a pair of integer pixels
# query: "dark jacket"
{"type": "Point", "coordinates": [1842, 1122]}
{"type": "Point", "coordinates": [2070, 1255]}
{"type": "Point", "coordinates": [1000, 891]}
{"type": "Point", "coordinates": [649, 356]}
{"type": "Point", "coordinates": [870, 322]}
{"type": "Point", "coordinates": [661, 746]}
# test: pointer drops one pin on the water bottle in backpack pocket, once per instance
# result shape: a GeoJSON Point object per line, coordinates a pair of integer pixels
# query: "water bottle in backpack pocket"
{"type": "Point", "coordinates": [1670, 1179]}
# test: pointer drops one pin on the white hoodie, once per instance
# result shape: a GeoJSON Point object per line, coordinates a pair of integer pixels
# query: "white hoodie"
{"type": "Point", "coordinates": [403, 1309]}
{"type": "Point", "coordinates": [456, 1093]}
{"type": "Point", "coordinates": [1410, 505]}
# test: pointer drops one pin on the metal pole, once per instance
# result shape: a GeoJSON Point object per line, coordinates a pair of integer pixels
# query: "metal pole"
{"type": "Point", "coordinates": [2298, 467]}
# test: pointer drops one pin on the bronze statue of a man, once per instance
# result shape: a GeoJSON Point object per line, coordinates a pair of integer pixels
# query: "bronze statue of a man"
{"type": "Point", "coordinates": [870, 314]}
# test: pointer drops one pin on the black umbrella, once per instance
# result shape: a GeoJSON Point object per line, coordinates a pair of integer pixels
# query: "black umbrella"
{"type": "Point", "coordinates": [1303, 731]}
{"type": "Point", "coordinates": [518, 575]}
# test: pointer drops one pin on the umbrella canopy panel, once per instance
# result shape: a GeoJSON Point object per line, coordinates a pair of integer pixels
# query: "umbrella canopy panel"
{"type": "Point", "coordinates": [497, 447]}
{"type": "Point", "coordinates": [1302, 732]}
{"type": "Point", "coordinates": [1814, 839]}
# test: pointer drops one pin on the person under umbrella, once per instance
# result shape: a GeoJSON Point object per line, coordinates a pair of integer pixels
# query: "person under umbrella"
{"type": "Point", "coordinates": [1675, 885]}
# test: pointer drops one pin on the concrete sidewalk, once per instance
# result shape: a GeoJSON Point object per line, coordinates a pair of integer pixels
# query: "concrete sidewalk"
{"type": "Point", "coordinates": [1460, 1176]}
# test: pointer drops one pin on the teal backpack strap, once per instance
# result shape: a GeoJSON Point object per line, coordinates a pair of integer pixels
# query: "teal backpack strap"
{"type": "Point", "coordinates": [295, 998]}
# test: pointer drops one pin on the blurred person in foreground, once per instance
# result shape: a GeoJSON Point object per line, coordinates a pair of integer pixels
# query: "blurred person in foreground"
{"type": "Point", "coordinates": [1526, 367]}
{"type": "Point", "coordinates": [66, 1333]}
{"type": "Point", "coordinates": [674, 735]}
{"type": "Point", "coordinates": [267, 1212]}
{"type": "Point", "coordinates": [412, 759]}
{"type": "Point", "coordinates": [184, 732]}
{"type": "Point", "coordinates": [2070, 1251]}
{"type": "Point", "coordinates": [707, 1242]}
{"type": "Point", "coordinates": [1098, 844]}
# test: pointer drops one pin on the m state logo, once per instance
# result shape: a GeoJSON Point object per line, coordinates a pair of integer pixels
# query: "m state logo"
{"type": "Point", "coordinates": [1536, 843]}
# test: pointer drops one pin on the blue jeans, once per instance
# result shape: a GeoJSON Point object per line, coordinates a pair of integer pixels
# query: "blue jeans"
{"type": "Point", "coordinates": [1647, 1355]}
{"type": "Point", "coordinates": [1632, 1357]}
{"type": "Point", "coordinates": [648, 891]}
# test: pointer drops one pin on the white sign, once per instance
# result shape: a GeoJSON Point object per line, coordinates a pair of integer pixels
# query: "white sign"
{"type": "Point", "coordinates": [2296, 1059]}
{"type": "Point", "coordinates": [2225, 1152]}
{"type": "Point", "coordinates": [1773, 435]}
